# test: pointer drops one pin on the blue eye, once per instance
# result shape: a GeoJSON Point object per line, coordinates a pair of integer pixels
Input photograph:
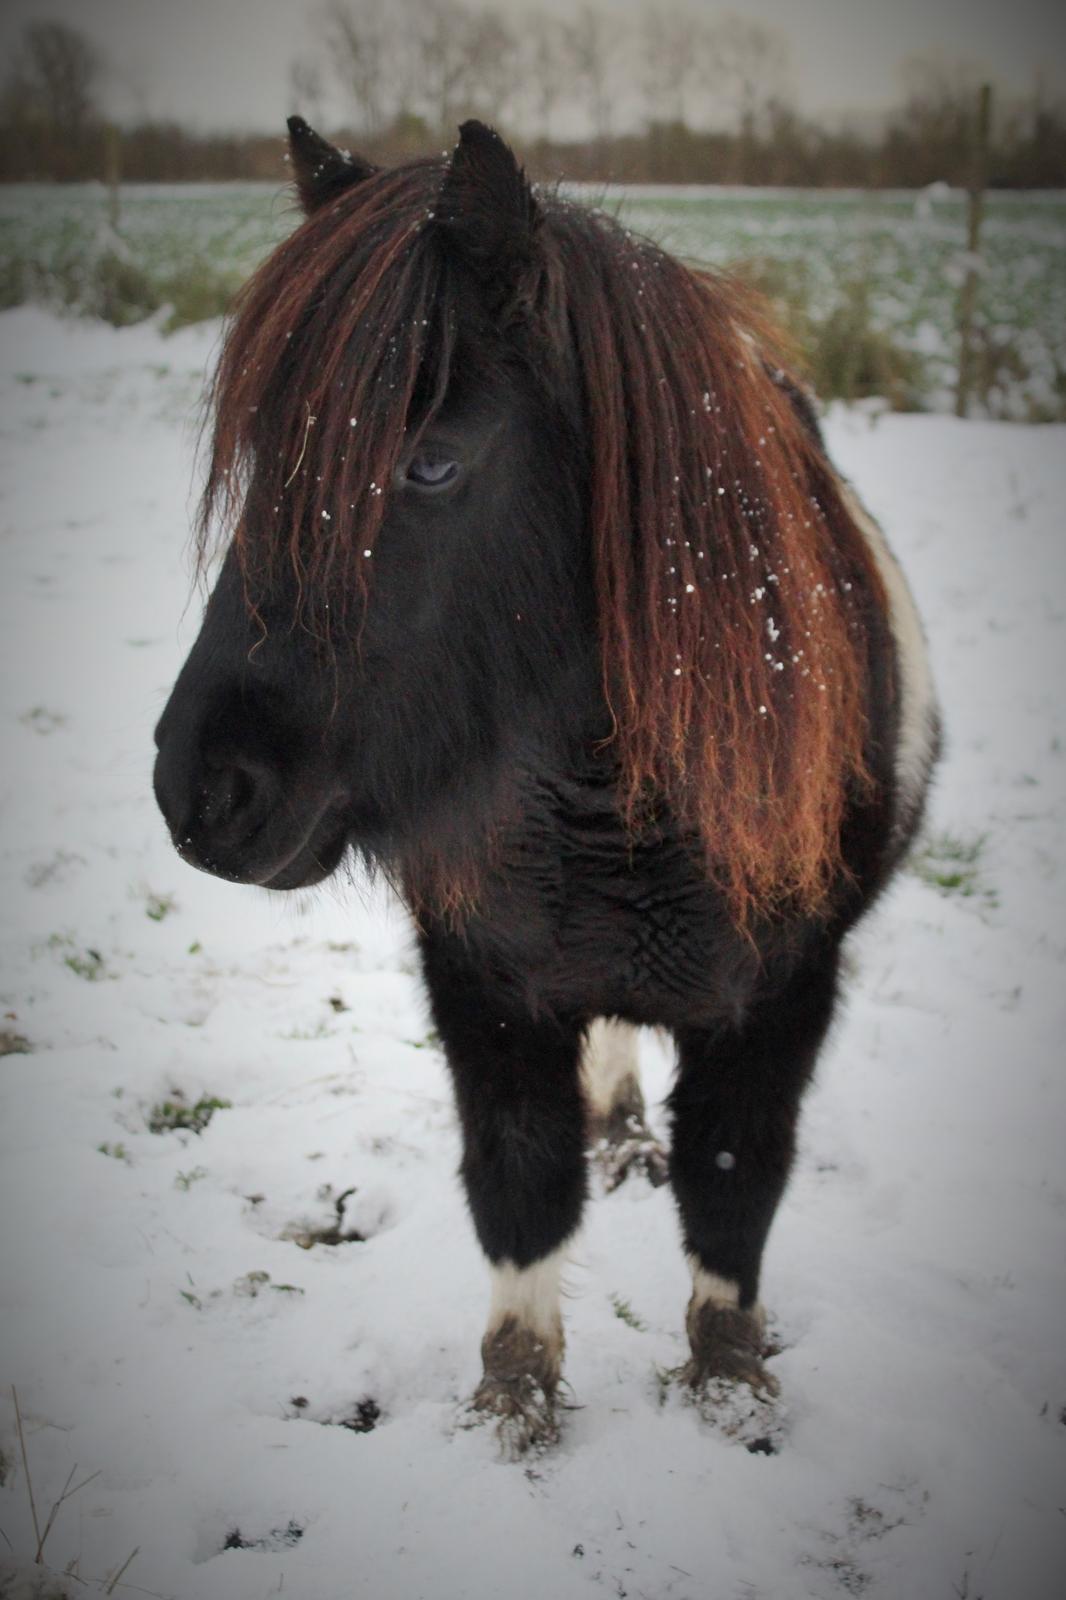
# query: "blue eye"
{"type": "Point", "coordinates": [428, 471]}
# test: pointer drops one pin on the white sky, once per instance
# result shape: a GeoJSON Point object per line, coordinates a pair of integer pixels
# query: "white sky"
{"type": "Point", "coordinates": [223, 64]}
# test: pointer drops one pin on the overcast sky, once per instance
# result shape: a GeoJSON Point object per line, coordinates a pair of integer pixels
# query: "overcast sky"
{"type": "Point", "coordinates": [224, 63]}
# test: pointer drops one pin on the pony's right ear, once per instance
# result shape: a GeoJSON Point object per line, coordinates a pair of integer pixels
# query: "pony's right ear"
{"type": "Point", "coordinates": [321, 171]}
{"type": "Point", "coordinates": [491, 216]}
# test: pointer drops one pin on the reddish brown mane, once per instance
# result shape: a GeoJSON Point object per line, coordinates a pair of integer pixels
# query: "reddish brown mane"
{"type": "Point", "coordinates": [734, 588]}
{"type": "Point", "coordinates": [338, 343]}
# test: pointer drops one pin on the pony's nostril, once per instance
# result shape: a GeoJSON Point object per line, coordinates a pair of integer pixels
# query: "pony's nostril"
{"type": "Point", "coordinates": [233, 796]}
{"type": "Point", "coordinates": [225, 795]}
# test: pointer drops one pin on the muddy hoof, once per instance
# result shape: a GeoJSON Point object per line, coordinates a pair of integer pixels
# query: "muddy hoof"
{"type": "Point", "coordinates": [616, 1161]}
{"type": "Point", "coordinates": [522, 1411]}
{"type": "Point", "coordinates": [730, 1344]}
{"type": "Point", "coordinates": [622, 1143]}
{"type": "Point", "coordinates": [521, 1372]}
{"type": "Point", "coordinates": [737, 1412]}
{"type": "Point", "coordinates": [727, 1380]}
{"type": "Point", "coordinates": [732, 1367]}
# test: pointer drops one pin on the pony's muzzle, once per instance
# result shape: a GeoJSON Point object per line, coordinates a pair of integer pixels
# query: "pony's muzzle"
{"type": "Point", "coordinates": [235, 807]}
{"type": "Point", "coordinates": [218, 811]}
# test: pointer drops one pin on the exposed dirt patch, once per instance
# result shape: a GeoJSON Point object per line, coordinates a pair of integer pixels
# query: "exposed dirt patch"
{"type": "Point", "coordinates": [333, 1232]}
{"type": "Point", "coordinates": [277, 1539]}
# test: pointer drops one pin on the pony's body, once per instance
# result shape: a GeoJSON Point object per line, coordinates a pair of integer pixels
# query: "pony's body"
{"type": "Point", "coordinates": [625, 693]}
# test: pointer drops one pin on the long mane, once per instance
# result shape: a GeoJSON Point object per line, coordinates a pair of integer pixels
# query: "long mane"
{"type": "Point", "coordinates": [737, 598]}
{"type": "Point", "coordinates": [339, 345]}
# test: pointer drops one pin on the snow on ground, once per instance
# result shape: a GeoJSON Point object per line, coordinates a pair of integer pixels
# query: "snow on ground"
{"type": "Point", "coordinates": [167, 1335]}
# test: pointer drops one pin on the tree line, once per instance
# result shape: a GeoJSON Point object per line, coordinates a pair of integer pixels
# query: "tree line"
{"type": "Point", "coordinates": [664, 95]}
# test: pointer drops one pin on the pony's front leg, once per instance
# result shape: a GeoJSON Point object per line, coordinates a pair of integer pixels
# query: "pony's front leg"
{"type": "Point", "coordinates": [735, 1108]}
{"type": "Point", "coordinates": [519, 1100]}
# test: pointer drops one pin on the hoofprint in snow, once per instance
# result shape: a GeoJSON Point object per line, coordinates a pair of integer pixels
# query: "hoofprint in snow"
{"type": "Point", "coordinates": [255, 1340]}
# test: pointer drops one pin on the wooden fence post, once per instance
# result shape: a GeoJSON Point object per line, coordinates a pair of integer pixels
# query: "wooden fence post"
{"type": "Point", "coordinates": [112, 171]}
{"type": "Point", "coordinates": [968, 298]}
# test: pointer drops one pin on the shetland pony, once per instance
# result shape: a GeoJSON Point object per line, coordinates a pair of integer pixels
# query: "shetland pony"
{"type": "Point", "coordinates": [542, 596]}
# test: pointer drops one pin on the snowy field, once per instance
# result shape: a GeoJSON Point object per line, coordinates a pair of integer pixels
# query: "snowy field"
{"type": "Point", "coordinates": [238, 1415]}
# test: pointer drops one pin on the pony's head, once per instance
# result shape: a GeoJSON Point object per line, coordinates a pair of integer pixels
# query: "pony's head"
{"type": "Point", "coordinates": [500, 482]}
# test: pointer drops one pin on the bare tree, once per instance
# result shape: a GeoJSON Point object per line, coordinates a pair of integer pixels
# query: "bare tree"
{"type": "Point", "coordinates": [666, 39]}
{"type": "Point", "coordinates": [931, 78]}
{"type": "Point", "coordinates": [591, 41]}
{"type": "Point", "coordinates": [441, 36]}
{"type": "Point", "coordinates": [52, 125]}
{"type": "Point", "coordinates": [546, 67]}
{"type": "Point", "coordinates": [493, 65]}
{"type": "Point", "coordinates": [360, 36]}
{"type": "Point", "coordinates": [306, 88]}
{"type": "Point", "coordinates": [748, 65]}
{"type": "Point", "coordinates": [53, 78]}
{"type": "Point", "coordinates": [932, 133]}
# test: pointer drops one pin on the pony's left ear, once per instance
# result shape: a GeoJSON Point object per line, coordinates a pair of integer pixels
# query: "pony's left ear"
{"type": "Point", "coordinates": [487, 206]}
{"type": "Point", "coordinates": [321, 171]}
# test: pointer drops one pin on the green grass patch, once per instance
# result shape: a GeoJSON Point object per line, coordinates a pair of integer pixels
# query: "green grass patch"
{"type": "Point", "coordinates": [848, 352]}
{"type": "Point", "coordinates": [625, 1313]}
{"type": "Point", "coordinates": [318, 1030]}
{"type": "Point", "coordinates": [114, 286]}
{"type": "Point", "coordinates": [851, 358]}
{"type": "Point", "coordinates": [951, 864]}
{"type": "Point", "coordinates": [197, 295]}
{"type": "Point", "coordinates": [663, 1379]}
{"type": "Point", "coordinates": [252, 1284]}
{"type": "Point", "coordinates": [430, 1042]}
{"type": "Point", "coordinates": [87, 964]}
{"type": "Point", "coordinates": [158, 906]}
{"type": "Point", "coordinates": [117, 1152]}
{"type": "Point", "coordinates": [177, 1114]}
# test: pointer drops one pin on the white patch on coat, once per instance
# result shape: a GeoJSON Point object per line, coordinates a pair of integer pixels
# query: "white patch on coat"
{"type": "Point", "coordinates": [709, 1288]}
{"type": "Point", "coordinates": [530, 1296]}
{"type": "Point", "coordinates": [608, 1061]}
{"type": "Point", "coordinates": [918, 708]}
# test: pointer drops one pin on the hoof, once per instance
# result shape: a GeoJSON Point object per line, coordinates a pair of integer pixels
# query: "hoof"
{"type": "Point", "coordinates": [728, 1343]}
{"type": "Point", "coordinates": [732, 1367]}
{"type": "Point", "coordinates": [736, 1411]}
{"type": "Point", "coordinates": [622, 1143]}
{"type": "Point", "coordinates": [727, 1379]}
{"type": "Point", "coordinates": [517, 1391]}
{"type": "Point", "coordinates": [643, 1154]}
{"type": "Point", "coordinates": [522, 1412]}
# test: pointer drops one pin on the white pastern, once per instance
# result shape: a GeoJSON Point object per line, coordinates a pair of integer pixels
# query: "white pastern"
{"type": "Point", "coordinates": [608, 1061]}
{"type": "Point", "coordinates": [709, 1289]}
{"type": "Point", "coordinates": [530, 1297]}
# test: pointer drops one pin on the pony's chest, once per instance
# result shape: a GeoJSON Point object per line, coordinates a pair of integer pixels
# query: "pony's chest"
{"type": "Point", "coordinates": [619, 932]}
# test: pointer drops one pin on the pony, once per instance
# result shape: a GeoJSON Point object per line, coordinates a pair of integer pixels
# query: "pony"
{"type": "Point", "coordinates": [539, 594]}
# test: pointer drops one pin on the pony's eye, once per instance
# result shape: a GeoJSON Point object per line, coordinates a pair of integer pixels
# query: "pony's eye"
{"type": "Point", "coordinates": [431, 471]}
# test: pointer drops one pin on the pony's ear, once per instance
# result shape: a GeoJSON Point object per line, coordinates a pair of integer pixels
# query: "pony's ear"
{"type": "Point", "coordinates": [488, 209]}
{"type": "Point", "coordinates": [321, 171]}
